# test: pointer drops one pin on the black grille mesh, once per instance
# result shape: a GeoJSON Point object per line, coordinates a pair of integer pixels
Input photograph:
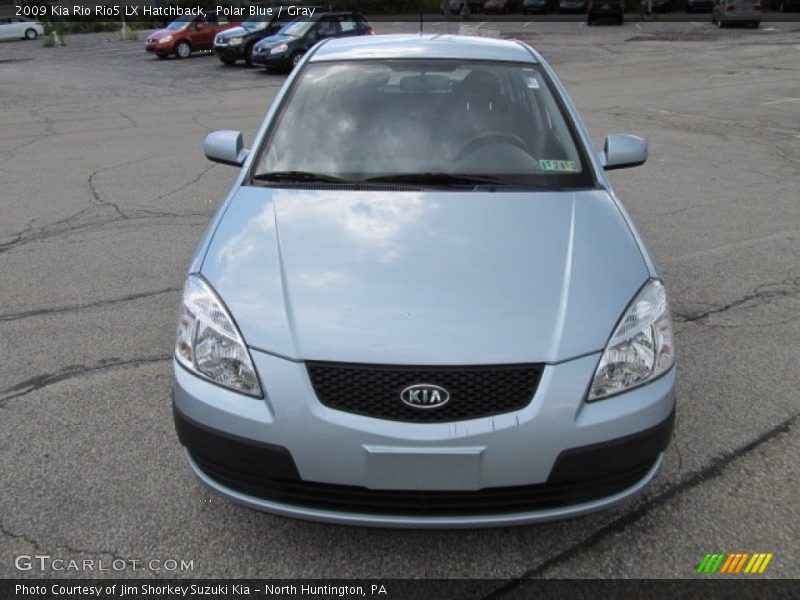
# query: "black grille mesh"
{"type": "Point", "coordinates": [374, 390]}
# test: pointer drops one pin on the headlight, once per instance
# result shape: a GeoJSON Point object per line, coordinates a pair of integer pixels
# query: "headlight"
{"type": "Point", "coordinates": [279, 48]}
{"type": "Point", "coordinates": [165, 39]}
{"type": "Point", "coordinates": [208, 343]}
{"type": "Point", "coordinates": [642, 346]}
{"type": "Point", "coordinates": [235, 41]}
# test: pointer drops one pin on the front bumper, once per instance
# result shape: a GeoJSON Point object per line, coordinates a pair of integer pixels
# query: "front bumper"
{"type": "Point", "coordinates": [273, 61]}
{"type": "Point", "coordinates": [558, 457]}
{"type": "Point", "coordinates": [159, 48]}
{"type": "Point", "coordinates": [232, 52]}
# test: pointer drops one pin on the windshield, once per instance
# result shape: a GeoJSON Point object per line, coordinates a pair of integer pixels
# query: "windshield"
{"type": "Point", "coordinates": [257, 23]}
{"type": "Point", "coordinates": [423, 121]}
{"type": "Point", "coordinates": [178, 24]}
{"type": "Point", "coordinates": [297, 28]}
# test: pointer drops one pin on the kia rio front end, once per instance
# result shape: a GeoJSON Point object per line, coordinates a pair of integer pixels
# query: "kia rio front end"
{"type": "Point", "coordinates": [422, 304]}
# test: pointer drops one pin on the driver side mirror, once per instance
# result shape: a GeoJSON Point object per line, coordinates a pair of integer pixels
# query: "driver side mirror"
{"type": "Point", "coordinates": [226, 147]}
{"type": "Point", "coordinates": [621, 151]}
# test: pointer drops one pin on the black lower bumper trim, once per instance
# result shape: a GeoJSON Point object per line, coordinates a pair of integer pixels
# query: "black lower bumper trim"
{"type": "Point", "coordinates": [614, 456]}
{"type": "Point", "coordinates": [268, 472]}
{"type": "Point", "coordinates": [249, 457]}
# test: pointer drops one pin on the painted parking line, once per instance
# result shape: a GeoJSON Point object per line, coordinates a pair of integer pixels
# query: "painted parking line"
{"type": "Point", "coordinates": [787, 131]}
{"type": "Point", "coordinates": [781, 101]}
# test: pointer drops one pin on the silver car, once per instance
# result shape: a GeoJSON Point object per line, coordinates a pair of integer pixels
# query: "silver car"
{"type": "Point", "coordinates": [422, 304]}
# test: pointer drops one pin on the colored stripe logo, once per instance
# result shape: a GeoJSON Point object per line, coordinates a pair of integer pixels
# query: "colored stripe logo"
{"type": "Point", "coordinates": [734, 563]}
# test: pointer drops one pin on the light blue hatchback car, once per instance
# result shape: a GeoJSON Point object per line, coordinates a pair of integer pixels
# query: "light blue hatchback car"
{"type": "Point", "coordinates": [422, 304]}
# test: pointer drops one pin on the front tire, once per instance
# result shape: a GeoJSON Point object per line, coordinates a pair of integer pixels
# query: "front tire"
{"type": "Point", "coordinates": [183, 49]}
{"type": "Point", "coordinates": [30, 34]}
{"type": "Point", "coordinates": [296, 58]}
{"type": "Point", "coordinates": [227, 61]}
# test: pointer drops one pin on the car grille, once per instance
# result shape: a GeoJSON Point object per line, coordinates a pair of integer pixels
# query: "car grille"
{"type": "Point", "coordinates": [374, 390]}
{"type": "Point", "coordinates": [488, 501]}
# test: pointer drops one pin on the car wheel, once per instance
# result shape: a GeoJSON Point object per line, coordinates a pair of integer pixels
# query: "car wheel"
{"type": "Point", "coordinates": [296, 58]}
{"type": "Point", "coordinates": [248, 55]}
{"type": "Point", "coordinates": [183, 49]}
{"type": "Point", "coordinates": [721, 24]}
{"type": "Point", "coordinates": [30, 34]}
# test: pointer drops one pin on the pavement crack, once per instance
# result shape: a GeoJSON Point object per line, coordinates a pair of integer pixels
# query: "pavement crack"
{"type": "Point", "coordinates": [44, 380]}
{"type": "Point", "coordinates": [20, 536]}
{"type": "Point", "coordinates": [89, 305]}
{"type": "Point", "coordinates": [185, 185]}
{"type": "Point", "coordinates": [761, 295]}
{"type": "Point", "coordinates": [69, 548]}
{"type": "Point", "coordinates": [712, 471]}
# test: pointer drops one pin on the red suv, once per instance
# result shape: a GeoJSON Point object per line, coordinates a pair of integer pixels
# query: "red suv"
{"type": "Point", "coordinates": [186, 35]}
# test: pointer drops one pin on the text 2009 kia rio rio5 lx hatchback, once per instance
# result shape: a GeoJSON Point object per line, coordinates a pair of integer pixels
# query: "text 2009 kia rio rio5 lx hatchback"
{"type": "Point", "coordinates": [422, 304]}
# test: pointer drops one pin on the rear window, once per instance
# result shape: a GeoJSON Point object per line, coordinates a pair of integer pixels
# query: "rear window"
{"type": "Point", "coordinates": [372, 119]}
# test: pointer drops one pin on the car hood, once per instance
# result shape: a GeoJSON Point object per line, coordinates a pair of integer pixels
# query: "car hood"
{"type": "Point", "coordinates": [276, 39]}
{"type": "Point", "coordinates": [234, 32]}
{"type": "Point", "coordinates": [442, 278]}
{"type": "Point", "coordinates": [159, 33]}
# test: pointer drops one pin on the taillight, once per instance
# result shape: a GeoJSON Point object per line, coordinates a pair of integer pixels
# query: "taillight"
{"type": "Point", "coordinates": [369, 31]}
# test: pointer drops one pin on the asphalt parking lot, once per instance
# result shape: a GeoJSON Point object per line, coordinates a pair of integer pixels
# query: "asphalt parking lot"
{"type": "Point", "coordinates": [105, 193]}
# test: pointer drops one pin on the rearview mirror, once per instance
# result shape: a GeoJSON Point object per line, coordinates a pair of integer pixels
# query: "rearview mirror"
{"type": "Point", "coordinates": [621, 151]}
{"type": "Point", "coordinates": [226, 147]}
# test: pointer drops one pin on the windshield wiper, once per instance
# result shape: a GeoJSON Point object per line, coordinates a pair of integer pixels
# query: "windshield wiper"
{"type": "Point", "coordinates": [438, 179]}
{"type": "Point", "coordinates": [299, 177]}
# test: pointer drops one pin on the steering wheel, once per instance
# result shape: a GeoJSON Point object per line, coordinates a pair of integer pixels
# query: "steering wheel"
{"type": "Point", "coordinates": [491, 137]}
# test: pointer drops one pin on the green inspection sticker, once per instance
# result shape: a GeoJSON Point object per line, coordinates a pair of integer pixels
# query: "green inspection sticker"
{"type": "Point", "coordinates": [570, 166]}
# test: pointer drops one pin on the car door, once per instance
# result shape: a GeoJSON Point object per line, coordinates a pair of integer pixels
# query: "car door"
{"type": "Point", "coordinates": [6, 29]}
{"type": "Point", "coordinates": [203, 31]}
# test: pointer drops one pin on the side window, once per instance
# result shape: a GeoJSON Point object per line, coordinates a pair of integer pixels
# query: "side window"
{"type": "Point", "coordinates": [326, 27]}
{"type": "Point", "coordinates": [347, 24]}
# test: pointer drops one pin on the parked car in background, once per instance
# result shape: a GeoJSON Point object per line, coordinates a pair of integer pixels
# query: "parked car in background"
{"type": "Point", "coordinates": [699, 5]}
{"type": "Point", "coordinates": [573, 6]}
{"type": "Point", "coordinates": [20, 28]}
{"type": "Point", "coordinates": [787, 5]}
{"type": "Point", "coordinates": [538, 6]}
{"type": "Point", "coordinates": [286, 48]}
{"type": "Point", "coordinates": [657, 6]}
{"type": "Point", "coordinates": [237, 43]}
{"type": "Point", "coordinates": [500, 7]}
{"type": "Point", "coordinates": [605, 9]}
{"type": "Point", "coordinates": [186, 35]}
{"type": "Point", "coordinates": [476, 334]}
{"type": "Point", "coordinates": [740, 12]}
{"type": "Point", "coordinates": [459, 6]}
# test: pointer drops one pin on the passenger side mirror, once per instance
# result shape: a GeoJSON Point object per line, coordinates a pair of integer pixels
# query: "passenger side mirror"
{"type": "Point", "coordinates": [621, 151]}
{"type": "Point", "coordinates": [226, 147]}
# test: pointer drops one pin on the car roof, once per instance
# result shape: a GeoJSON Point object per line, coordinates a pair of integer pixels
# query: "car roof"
{"type": "Point", "coordinates": [423, 46]}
